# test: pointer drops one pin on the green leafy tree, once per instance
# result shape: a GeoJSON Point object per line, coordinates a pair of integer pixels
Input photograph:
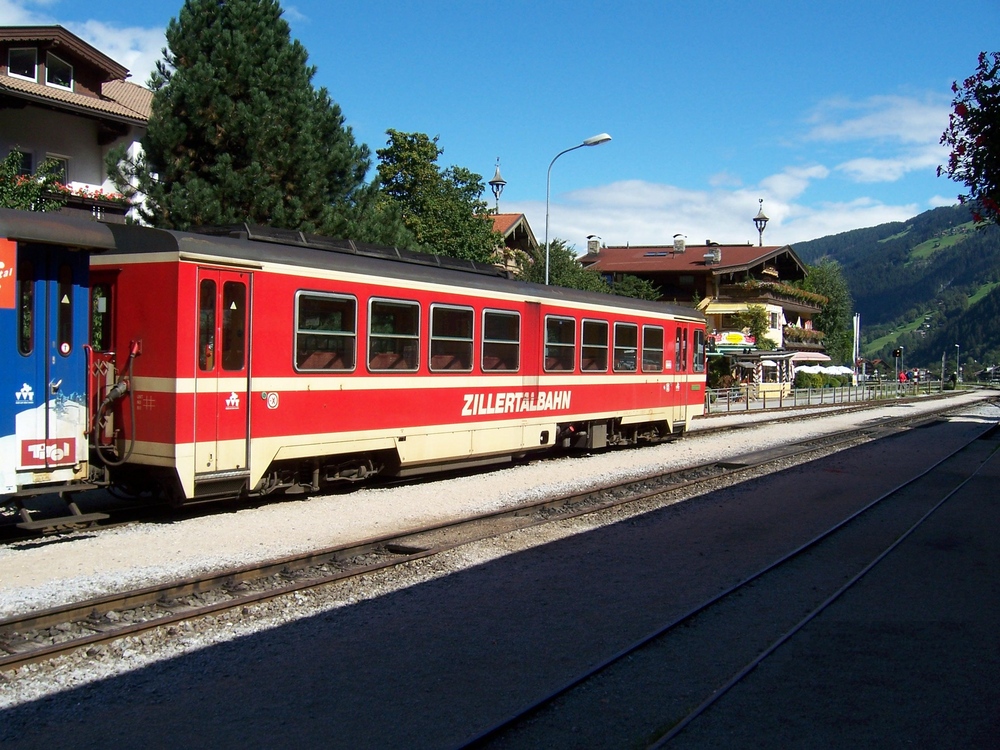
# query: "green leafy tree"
{"type": "Point", "coordinates": [564, 269]}
{"type": "Point", "coordinates": [238, 133]}
{"type": "Point", "coordinates": [973, 135]}
{"type": "Point", "coordinates": [444, 209]}
{"type": "Point", "coordinates": [37, 192]}
{"type": "Point", "coordinates": [633, 286]}
{"type": "Point", "coordinates": [835, 319]}
{"type": "Point", "coordinates": [755, 320]}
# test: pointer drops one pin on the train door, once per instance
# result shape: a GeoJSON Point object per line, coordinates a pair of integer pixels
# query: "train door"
{"type": "Point", "coordinates": [222, 379]}
{"type": "Point", "coordinates": [43, 295]}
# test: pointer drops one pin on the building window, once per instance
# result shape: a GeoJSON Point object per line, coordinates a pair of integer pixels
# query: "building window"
{"type": "Point", "coordinates": [560, 343]}
{"type": "Point", "coordinates": [61, 169]}
{"type": "Point", "coordinates": [22, 62]}
{"type": "Point", "coordinates": [393, 335]}
{"type": "Point", "coordinates": [451, 338]}
{"type": "Point", "coordinates": [325, 332]}
{"type": "Point", "coordinates": [652, 349]}
{"type": "Point", "coordinates": [626, 347]}
{"type": "Point", "coordinates": [774, 321]}
{"type": "Point", "coordinates": [594, 349]}
{"type": "Point", "coordinates": [501, 340]}
{"type": "Point", "coordinates": [58, 73]}
{"type": "Point", "coordinates": [27, 163]}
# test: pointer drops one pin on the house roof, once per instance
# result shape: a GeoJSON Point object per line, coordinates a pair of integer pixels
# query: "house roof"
{"type": "Point", "coordinates": [57, 36]}
{"type": "Point", "coordinates": [510, 224]}
{"type": "Point", "coordinates": [662, 259]}
{"type": "Point", "coordinates": [506, 223]}
{"type": "Point", "coordinates": [119, 100]}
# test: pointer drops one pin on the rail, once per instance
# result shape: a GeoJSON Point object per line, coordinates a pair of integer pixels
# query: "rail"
{"type": "Point", "coordinates": [756, 397]}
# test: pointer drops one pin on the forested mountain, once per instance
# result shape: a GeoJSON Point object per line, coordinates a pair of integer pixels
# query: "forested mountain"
{"type": "Point", "coordinates": [924, 284]}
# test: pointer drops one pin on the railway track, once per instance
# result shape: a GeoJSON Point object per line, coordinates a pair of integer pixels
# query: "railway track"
{"type": "Point", "coordinates": [43, 635]}
{"type": "Point", "coordinates": [742, 626]}
{"type": "Point", "coordinates": [115, 511]}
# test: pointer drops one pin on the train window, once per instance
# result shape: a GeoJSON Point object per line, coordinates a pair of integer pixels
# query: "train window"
{"type": "Point", "coordinates": [560, 343]}
{"type": "Point", "coordinates": [652, 349]}
{"type": "Point", "coordinates": [699, 351]}
{"type": "Point", "coordinates": [25, 307]}
{"type": "Point", "coordinates": [451, 338]}
{"type": "Point", "coordinates": [100, 317]}
{"type": "Point", "coordinates": [234, 325]}
{"type": "Point", "coordinates": [206, 325]}
{"type": "Point", "coordinates": [393, 335]}
{"type": "Point", "coordinates": [64, 316]}
{"type": "Point", "coordinates": [680, 363]}
{"type": "Point", "coordinates": [594, 346]}
{"type": "Point", "coordinates": [626, 347]}
{"type": "Point", "coordinates": [326, 332]}
{"type": "Point", "coordinates": [501, 340]}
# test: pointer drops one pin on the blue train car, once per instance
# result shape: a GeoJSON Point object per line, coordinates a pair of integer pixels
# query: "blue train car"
{"type": "Point", "coordinates": [44, 336]}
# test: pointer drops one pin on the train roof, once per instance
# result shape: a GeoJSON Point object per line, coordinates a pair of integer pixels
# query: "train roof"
{"type": "Point", "coordinates": [55, 229]}
{"type": "Point", "coordinates": [255, 246]}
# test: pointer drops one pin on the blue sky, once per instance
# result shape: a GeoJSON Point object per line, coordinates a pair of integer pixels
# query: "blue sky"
{"type": "Point", "coordinates": [830, 111]}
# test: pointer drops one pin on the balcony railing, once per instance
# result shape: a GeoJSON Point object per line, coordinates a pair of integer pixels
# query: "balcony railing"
{"type": "Point", "coordinates": [769, 291]}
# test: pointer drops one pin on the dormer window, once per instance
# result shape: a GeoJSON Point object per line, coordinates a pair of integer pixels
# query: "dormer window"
{"type": "Point", "coordinates": [58, 73]}
{"type": "Point", "coordinates": [22, 62]}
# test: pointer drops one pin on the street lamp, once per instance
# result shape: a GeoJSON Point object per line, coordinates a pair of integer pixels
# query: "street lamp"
{"type": "Point", "coordinates": [594, 140]}
{"type": "Point", "coordinates": [497, 184]}
{"type": "Point", "coordinates": [760, 221]}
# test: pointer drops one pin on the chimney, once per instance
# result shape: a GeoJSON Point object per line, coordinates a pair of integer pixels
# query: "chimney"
{"type": "Point", "coordinates": [679, 244]}
{"type": "Point", "coordinates": [714, 254]}
{"type": "Point", "coordinates": [593, 244]}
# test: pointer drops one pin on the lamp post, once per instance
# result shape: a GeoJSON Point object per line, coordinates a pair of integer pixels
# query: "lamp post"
{"type": "Point", "coordinates": [594, 140]}
{"type": "Point", "coordinates": [958, 363]}
{"type": "Point", "coordinates": [497, 185]}
{"type": "Point", "coordinates": [760, 221]}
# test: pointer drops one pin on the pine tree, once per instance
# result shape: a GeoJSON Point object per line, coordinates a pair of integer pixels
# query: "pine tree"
{"type": "Point", "coordinates": [238, 133]}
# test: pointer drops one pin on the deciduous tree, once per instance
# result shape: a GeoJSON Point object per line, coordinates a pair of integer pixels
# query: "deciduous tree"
{"type": "Point", "coordinates": [973, 135]}
{"type": "Point", "coordinates": [444, 209]}
{"type": "Point", "coordinates": [36, 192]}
{"type": "Point", "coordinates": [835, 317]}
{"type": "Point", "coordinates": [564, 269]}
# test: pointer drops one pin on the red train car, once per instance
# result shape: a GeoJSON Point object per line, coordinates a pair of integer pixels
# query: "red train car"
{"type": "Point", "coordinates": [263, 361]}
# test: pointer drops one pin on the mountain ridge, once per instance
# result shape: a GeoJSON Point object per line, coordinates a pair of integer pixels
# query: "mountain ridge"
{"type": "Point", "coordinates": [925, 284]}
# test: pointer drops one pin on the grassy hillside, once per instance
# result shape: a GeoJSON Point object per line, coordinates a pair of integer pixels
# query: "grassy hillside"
{"type": "Point", "coordinates": [920, 283]}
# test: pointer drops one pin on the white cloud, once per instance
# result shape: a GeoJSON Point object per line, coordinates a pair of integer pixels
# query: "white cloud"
{"type": "Point", "coordinates": [897, 119]}
{"type": "Point", "coordinates": [17, 13]}
{"type": "Point", "coordinates": [634, 212]}
{"type": "Point", "coordinates": [136, 48]}
{"type": "Point", "coordinates": [890, 137]}
{"type": "Point", "coordinates": [874, 169]}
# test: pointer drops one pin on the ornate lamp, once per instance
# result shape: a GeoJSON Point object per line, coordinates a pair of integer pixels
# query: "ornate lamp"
{"type": "Point", "coordinates": [497, 185]}
{"type": "Point", "coordinates": [760, 221]}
